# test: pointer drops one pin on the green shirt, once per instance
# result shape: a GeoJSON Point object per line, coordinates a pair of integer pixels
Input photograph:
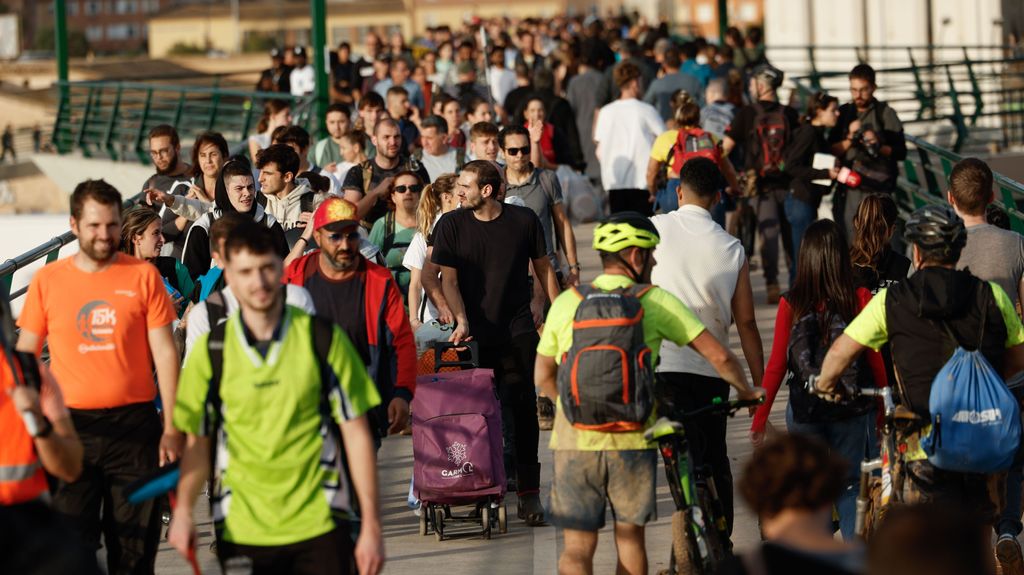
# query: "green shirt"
{"type": "Point", "coordinates": [665, 317]}
{"type": "Point", "coordinates": [870, 330]}
{"type": "Point", "coordinates": [394, 256]}
{"type": "Point", "coordinates": [324, 152]}
{"type": "Point", "coordinates": [276, 488]}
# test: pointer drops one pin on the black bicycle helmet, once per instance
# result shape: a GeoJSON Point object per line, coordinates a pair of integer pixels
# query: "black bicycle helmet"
{"type": "Point", "coordinates": [770, 74]}
{"type": "Point", "coordinates": [936, 226]}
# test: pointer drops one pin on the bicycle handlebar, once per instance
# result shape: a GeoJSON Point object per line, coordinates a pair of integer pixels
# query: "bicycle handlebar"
{"type": "Point", "coordinates": [724, 407]}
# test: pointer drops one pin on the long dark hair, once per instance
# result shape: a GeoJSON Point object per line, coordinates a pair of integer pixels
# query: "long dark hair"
{"type": "Point", "coordinates": [824, 276]}
{"type": "Point", "coordinates": [875, 218]}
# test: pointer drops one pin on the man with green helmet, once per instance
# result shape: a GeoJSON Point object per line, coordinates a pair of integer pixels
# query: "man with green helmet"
{"type": "Point", "coordinates": [590, 465]}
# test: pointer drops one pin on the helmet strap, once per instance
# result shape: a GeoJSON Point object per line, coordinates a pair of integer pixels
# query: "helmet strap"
{"type": "Point", "coordinates": [633, 274]}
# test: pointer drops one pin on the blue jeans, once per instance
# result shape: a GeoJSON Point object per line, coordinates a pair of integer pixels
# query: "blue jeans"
{"type": "Point", "coordinates": [1009, 520]}
{"type": "Point", "coordinates": [800, 215]}
{"type": "Point", "coordinates": [666, 198]}
{"type": "Point", "coordinates": [852, 439]}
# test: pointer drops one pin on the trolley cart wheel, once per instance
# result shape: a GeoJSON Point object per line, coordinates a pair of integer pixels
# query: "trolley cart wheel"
{"type": "Point", "coordinates": [485, 520]}
{"type": "Point", "coordinates": [439, 523]}
{"type": "Point", "coordinates": [423, 521]}
{"type": "Point", "coordinates": [503, 519]}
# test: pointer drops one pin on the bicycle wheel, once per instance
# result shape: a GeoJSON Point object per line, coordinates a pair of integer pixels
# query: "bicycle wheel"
{"type": "Point", "coordinates": [681, 563]}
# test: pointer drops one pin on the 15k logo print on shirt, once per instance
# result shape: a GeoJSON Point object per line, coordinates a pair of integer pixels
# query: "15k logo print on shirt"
{"type": "Point", "coordinates": [96, 322]}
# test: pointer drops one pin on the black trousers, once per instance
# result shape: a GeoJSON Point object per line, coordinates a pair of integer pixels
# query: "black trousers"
{"type": "Point", "coordinates": [513, 376]}
{"type": "Point", "coordinates": [332, 553]}
{"type": "Point", "coordinates": [121, 446]}
{"type": "Point", "coordinates": [681, 392]}
{"type": "Point", "coordinates": [630, 200]}
{"type": "Point", "coordinates": [34, 539]}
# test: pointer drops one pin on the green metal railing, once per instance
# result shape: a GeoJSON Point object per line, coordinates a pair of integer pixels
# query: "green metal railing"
{"type": "Point", "coordinates": [113, 118]}
{"type": "Point", "coordinates": [924, 179]}
{"type": "Point", "coordinates": [982, 100]}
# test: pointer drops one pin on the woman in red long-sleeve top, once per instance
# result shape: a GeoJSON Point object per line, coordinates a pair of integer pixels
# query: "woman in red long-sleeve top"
{"type": "Point", "coordinates": [824, 285]}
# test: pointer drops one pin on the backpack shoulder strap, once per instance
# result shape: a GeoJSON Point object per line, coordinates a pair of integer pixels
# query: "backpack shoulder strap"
{"type": "Point", "coordinates": [216, 310]}
{"type": "Point", "coordinates": [367, 169]}
{"type": "Point", "coordinates": [639, 290]}
{"type": "Point", "coordinates": [215, 347]}
{"type": "Point", "coordinates": [323, 338]}
{"type": "Point", "coordinates": [389, 233]}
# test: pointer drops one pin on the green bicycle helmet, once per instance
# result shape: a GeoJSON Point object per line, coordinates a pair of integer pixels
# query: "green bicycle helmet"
{"type": "Point", "coordinates": [625, 230]}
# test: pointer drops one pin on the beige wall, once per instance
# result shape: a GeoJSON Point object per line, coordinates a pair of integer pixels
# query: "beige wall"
{"type": "Point", "coordinates": [453, 14]}
{"type": "Point", "coordinates": [164, 33]}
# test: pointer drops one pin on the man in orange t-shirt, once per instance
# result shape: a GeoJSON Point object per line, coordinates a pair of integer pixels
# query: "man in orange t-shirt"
{"type": "Point", "coordinates": [107, 318]}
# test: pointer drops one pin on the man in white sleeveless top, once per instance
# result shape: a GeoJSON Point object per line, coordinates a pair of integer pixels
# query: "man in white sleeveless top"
{"type": "Point", "coordinates": [706, 268]}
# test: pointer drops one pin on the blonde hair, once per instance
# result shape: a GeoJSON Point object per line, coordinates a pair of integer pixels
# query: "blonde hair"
{"type": "Point", "coordinates": [430, 202]}
{"type": "Point", "coordinates": [686, 112]}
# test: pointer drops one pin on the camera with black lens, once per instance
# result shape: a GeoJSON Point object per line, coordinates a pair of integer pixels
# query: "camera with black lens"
{"type": "Point", "coordinates": [871, 148]}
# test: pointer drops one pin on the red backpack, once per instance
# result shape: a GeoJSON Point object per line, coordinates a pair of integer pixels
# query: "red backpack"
{"type": "Point", "coordinates": [694, 143]}
{"type": "Point", "coordinates": [771, 134]}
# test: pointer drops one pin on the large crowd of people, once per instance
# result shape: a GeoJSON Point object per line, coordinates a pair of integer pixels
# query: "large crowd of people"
{"type": "Point", "coordinates": [258, 318]}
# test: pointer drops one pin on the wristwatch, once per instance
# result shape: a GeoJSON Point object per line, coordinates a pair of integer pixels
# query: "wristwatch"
{"type": "Point", "coordinates": [575, 267]}
{"type": "Point", "coordinates": [38, 427]}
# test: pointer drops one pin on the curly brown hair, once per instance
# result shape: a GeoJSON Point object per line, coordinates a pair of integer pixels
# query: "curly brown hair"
{"type": "Point", "coordinates": [792, 472]}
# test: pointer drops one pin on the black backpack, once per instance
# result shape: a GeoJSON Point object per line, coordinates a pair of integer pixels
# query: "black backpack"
{"type": "Point", "coordinates": [807, 349]}
{"type": "Point", "coordinates": [770, 136]}
{"type": "Point", "coordinates": [606, 380]}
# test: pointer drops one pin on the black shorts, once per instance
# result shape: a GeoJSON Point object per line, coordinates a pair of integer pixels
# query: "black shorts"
{"type": "Point", "coordinates": [332, 553]}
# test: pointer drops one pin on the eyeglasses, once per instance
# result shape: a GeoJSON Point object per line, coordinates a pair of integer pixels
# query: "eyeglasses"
{"type": "Point", "coordinates": [412, 189]}
{"type": "Point", "coordinates": [336, 237]}
{"type": "Point", "coordinates": [516, 151]}
{"type": "Point", "coordinates": [164, 153]}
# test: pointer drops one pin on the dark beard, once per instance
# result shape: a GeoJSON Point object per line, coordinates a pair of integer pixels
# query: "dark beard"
{"type": "Point", "coordinates": [170, 167]}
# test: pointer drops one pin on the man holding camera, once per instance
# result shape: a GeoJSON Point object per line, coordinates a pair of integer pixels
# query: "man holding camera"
{"type": "Point", "coordinates": [867, 139]}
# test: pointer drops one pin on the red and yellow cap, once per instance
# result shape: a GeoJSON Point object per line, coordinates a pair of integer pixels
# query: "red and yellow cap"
{"type": "Point", "coordinates": [335, 210]}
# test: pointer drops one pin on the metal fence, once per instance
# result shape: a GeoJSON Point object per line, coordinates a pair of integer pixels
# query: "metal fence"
{"type": "Point", "coordinates": [113, 118]}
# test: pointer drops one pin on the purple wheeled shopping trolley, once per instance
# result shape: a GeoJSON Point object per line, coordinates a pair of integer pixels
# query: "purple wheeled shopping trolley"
{"type": "Point", "coordinates": [457, 446]}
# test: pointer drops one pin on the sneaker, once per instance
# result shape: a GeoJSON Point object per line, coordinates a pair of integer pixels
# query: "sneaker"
{"type": "Point", "coordinates": [545, 413]}
{"type": "Point", "coordinates": [774, 292]}
{"type": "Point", "coordinates": [1008, 554]}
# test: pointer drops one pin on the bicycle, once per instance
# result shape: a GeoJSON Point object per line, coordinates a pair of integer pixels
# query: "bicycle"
{"type": "Point", "coordinates": [699, 531]}
{"type": "Point", "coordinates": [877, 492]}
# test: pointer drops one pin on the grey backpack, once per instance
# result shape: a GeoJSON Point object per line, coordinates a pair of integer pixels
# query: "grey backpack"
{"type": "Point", "coordinates": [606, 380]}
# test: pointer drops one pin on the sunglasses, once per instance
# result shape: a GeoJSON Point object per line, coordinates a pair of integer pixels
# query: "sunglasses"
{"type": "Point", "coordinates": [516, 151]}
{"type": "Point", "coordinates": [336, 237]}
{"type": "Point", "coordinates": [413, 189]}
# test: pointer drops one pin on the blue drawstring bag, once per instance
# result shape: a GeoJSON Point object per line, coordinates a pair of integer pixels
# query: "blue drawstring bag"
{"type": "Point", "coordinates": [975, 418]}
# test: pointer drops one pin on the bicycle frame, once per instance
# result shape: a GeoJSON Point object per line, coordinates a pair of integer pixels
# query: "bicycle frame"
{"type": "Point", "coordinates": [883, 462]}
{"type": "Point", "coordinates": [683, 480]}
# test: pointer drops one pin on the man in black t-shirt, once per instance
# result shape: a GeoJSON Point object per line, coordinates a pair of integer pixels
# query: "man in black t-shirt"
{"type": "Point", "coordinates": [760, 129]}
{"type": "Point", "coordinates": [389, 161]}
{"type": "Point", "coordinates": [485, 251]}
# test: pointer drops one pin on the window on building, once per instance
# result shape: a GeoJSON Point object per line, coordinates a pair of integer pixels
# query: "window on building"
{"type": "Point", "coordinates": [72, 8]}
{"type": "Point", "coordinates": [120, 31]}
{"type": "Point", "coordinates": [93, 7]}
{"type": "Point", "coordinates": [94, 33]}
{"type": "Point", "coordinates": [125, 6]}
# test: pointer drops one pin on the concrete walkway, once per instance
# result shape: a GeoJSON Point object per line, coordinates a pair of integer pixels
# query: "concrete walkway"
{"type": "Point", "coordinates": [522, 549]}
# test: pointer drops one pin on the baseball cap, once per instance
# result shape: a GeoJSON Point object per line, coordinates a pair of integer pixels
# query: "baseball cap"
{"type": "Point", "coordinates": [299, 51]}
{"type": "Point", "coordinates": [335, 210]}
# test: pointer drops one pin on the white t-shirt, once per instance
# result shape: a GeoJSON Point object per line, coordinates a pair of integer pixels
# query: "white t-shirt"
{"type": "Point", "coordinates": [415, 258]}
{"type": "Point", "coordinates": [198, 321]}
{"type": "Point", "coordinates": [703, 276]}
{"type": "Point", "coordinates": [625, 133]}
{"type": "Point", "coordinates": [438, 165]}
{"type": "Point", "coordinates": [303, 81]}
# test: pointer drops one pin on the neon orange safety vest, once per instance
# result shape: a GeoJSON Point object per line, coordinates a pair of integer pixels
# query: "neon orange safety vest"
{"type": "Point", "coordinates": [21, 475]}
